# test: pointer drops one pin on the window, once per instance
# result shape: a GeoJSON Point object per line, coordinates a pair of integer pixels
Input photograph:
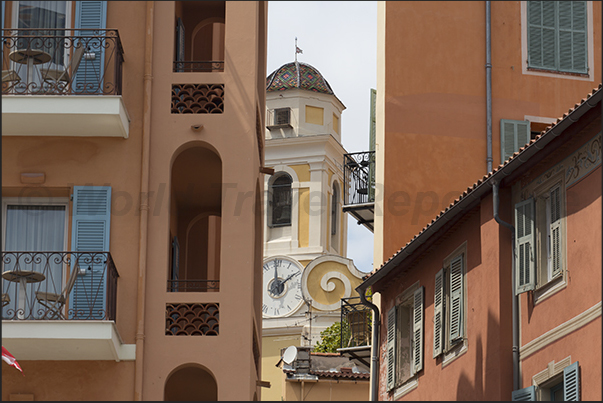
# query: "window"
{"type": "Point", "coordinates": [514, 134]}
{"type": "Point", "coordinates": [314, 115]}
{"type": "Point", "coordinates": [334, 209]}
{"type": "Point", "coordinates": [405, 337]}
{"type": "Point", "coordinates": [562, 385]}
{"type": "Point", "coordinates": [282, 116]}
{"type": "Point", "coordinates": [539, 238]}
{"type": "Point", "coordinates": [280, 201]}
{"type": "Point", "coordinates": [557, 36]}
{"type": "Point", "coordinates": [449, 305]}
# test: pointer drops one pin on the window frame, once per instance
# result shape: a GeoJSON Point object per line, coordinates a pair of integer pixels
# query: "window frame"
{"type": "Point", "coordinates": [451, 349]}
{"type": "Point", "coordinates": [545, 282]}
{"type": "Point", "coordinates": [406, 301]}
{"type": "Point", "coordinates": [557, 29]}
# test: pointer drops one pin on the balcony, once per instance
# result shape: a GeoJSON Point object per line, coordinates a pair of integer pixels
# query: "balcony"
{"type": "Point", "coordinates": [356, 330]}
{"type": "Point", "coordinates": [61, 306]}
{"type": "Point", "coordinates": [359, 186]}
{"type": "Point", "coordinates": [63, 82]}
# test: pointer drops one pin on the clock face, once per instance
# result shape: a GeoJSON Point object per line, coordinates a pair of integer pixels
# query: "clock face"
{"type": "Point", "coordinates": [282, 286]}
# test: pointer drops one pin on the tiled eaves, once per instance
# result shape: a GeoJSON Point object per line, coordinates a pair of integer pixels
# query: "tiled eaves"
{"type": "Point", "coordinates": [484, 185]}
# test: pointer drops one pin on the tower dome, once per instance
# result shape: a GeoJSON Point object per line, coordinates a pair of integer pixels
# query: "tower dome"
{"type": "Point", "coordinates": [297, 75]}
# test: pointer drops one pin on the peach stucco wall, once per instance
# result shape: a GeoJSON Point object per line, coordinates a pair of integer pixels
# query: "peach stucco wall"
{"type": "Point", "coordinates": [435, 103]}
{"type": "Point", "coordinates": [117, 162]}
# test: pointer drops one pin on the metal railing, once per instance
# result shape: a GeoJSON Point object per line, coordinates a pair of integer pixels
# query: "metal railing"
{"type": "Point", "coordinates": [35, 286]}
{"type": "Point", "coordinates": [193, 285]}
{"type": "Point", "coordinates": [203, 66]}
{"type": "Point", "coordinates": [356, 323]}
{"type": "Point", "coordinates": [61, 62]}
{"type": "Point", "coordinates": [359, 177]}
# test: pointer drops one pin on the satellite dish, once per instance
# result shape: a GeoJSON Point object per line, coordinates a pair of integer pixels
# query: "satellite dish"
{"type": "Point", "coordinates": [290, 355]}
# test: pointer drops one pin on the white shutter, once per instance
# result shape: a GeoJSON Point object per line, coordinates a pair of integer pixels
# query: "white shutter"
{"type": "Point", "coordinates": [455, 330]}
{"type": "Point", "coordinates": [438, 314]}
{"type": "Point", "coordinates": [391, 348]}
{"type": "Point", "coordinates": [555, 231]}
{"type": "Point", "coordinates": [417, 328]}
{"type": "Point", "coordinates": [524, 246]}
{"type": "Point", "coordinates": [571, 383]}
{"type": "Point", "coordinates": [514, 134]}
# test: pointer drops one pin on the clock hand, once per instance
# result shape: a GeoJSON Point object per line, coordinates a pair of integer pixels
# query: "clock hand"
{"type": "Point", "coordinates": [289, 278]}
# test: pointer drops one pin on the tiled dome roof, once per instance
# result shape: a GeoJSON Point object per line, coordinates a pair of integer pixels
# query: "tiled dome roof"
{"type": "Point", "coordinates": [297, 75]}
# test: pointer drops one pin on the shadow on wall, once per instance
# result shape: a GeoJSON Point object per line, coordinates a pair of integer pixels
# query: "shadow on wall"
{"type": "Point", "coordinates": [490, 373]}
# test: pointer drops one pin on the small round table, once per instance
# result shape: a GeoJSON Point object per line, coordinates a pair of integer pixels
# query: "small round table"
{"type": "Point", "coordinates": [23, 277]}
{"type": "Point", "coordinates": [30, 57]}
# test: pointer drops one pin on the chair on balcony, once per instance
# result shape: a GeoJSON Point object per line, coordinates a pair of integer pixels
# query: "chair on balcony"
{"type": "Point", "coordinates": [5, 300]}
{"type": "Point", "coordinates": [11, 78]}
{"type": "Point", "coordinates": [62, 77]}
{"type": "Point", "coordinates": [55, 302]}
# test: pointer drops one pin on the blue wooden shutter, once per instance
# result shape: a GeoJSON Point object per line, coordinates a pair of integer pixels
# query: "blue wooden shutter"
{"type": "Point", "coordinates": [455, 330]}
{"type": "Point", "coordinates": [572, 36]}
{"type": "Point", "coordinates": [524, 247]}
{"type": "Point", "coordinates": [571, 383]}
{"type": "Point", "coordinates": [524, 395]}
{"type": "Point", "coordinates": [391, 348]}
{"type": "Point", "coordinates": [90, 16]}
{"type": "Point", "coordinates": [417, 328]}
{"type": "Point", "coordinates": [90, 233]}
{"type": "Point", "coordinates": [438, 314]}
{"type": "Point", "coordinates": [514, 134]}
{"type": "Point", "coordinates": [542, 33]}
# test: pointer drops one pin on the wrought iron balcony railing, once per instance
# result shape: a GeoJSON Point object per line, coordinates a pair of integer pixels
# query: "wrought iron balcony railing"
{"type": "Point", "coordinates": [359, 177]}
{"type": "Point", "coordinates": [356, 323]}
{"type": "Point", "coordinates": [40, 286]}
{"type": "Point", "coordinates": [61, 62]}
{"type": "Point", "coordinates": [202, 66]}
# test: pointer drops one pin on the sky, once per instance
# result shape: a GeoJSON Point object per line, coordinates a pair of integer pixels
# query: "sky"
{"type": "Point", "coordinates": [339, 38]}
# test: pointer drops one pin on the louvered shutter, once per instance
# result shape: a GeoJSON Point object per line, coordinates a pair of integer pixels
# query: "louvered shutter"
{"type": "Point", "coordinates": [572, 36]}
{"type": "Point", "coordinates": [372, 133]}
{"type": "Point", "coordinates": [417, 328]}
{"type": "Point", "coordinates": [90, 233]}
{"type": "Point", "coordinates": [555, 231]}
{"type": "Point", "coordinates": [542, 27]}
{"type": "Point", "coordinates": [90, 16]}
{"type": "Point", "coordinates": [438, 314]}
{"type": "Point", "coordinates": [514, 134]}
{"type": "Point", "coordinates": [391, 348]}
{"type": "Point", "coordinates": [524, 246]}
{"type": "Point", "coordinates": [455, 330]}
{"type": "Point", "coordinates": [524, 395]}
{"type": "Point", "coordinates": [571, 383]}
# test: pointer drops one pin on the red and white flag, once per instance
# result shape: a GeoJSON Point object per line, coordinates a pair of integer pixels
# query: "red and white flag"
{"type": "Point", "coordinates": [298, 50]}
{"type": "Point", "coordinates": [10, 360]}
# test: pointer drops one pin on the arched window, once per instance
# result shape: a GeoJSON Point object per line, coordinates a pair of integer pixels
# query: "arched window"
{"type": "Point", "coordinates": [280, 201]}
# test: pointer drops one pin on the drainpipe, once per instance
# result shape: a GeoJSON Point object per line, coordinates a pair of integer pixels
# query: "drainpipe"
{"type": "Point", "coordinates": [488, 91]}
{"type": "Point", "coordinates": [375, 346]}
{"type": "Point", "coordinates": [514, 304]}
{"type": "Point", "coordinates": [144, 199]}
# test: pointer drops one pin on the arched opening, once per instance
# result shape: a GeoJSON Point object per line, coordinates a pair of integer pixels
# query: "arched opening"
{"type": "Point", "coordinates": [191, 383]}
{"type": "Point", "coordinates": [207, 42]}
{"type": "Point", "coordinates": [195, 221]}
{"type": "Point", "coordinates": [280, 200]}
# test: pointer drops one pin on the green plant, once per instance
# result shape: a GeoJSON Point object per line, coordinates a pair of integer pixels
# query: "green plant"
{"type": "Point", "coordinates": [330, 339]}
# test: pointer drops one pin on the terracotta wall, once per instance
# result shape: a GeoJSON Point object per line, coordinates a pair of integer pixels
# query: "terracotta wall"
{"type": "Point", "coordinates": [435, 106]}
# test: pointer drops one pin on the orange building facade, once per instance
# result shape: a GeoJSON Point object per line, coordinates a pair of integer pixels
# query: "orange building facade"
{"type": "Point", "coordinates": [530, 228]}
{"type": "Point", "coordinates": [432, 109]}
{"type": "Point", "coordinates": [132, 151]}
